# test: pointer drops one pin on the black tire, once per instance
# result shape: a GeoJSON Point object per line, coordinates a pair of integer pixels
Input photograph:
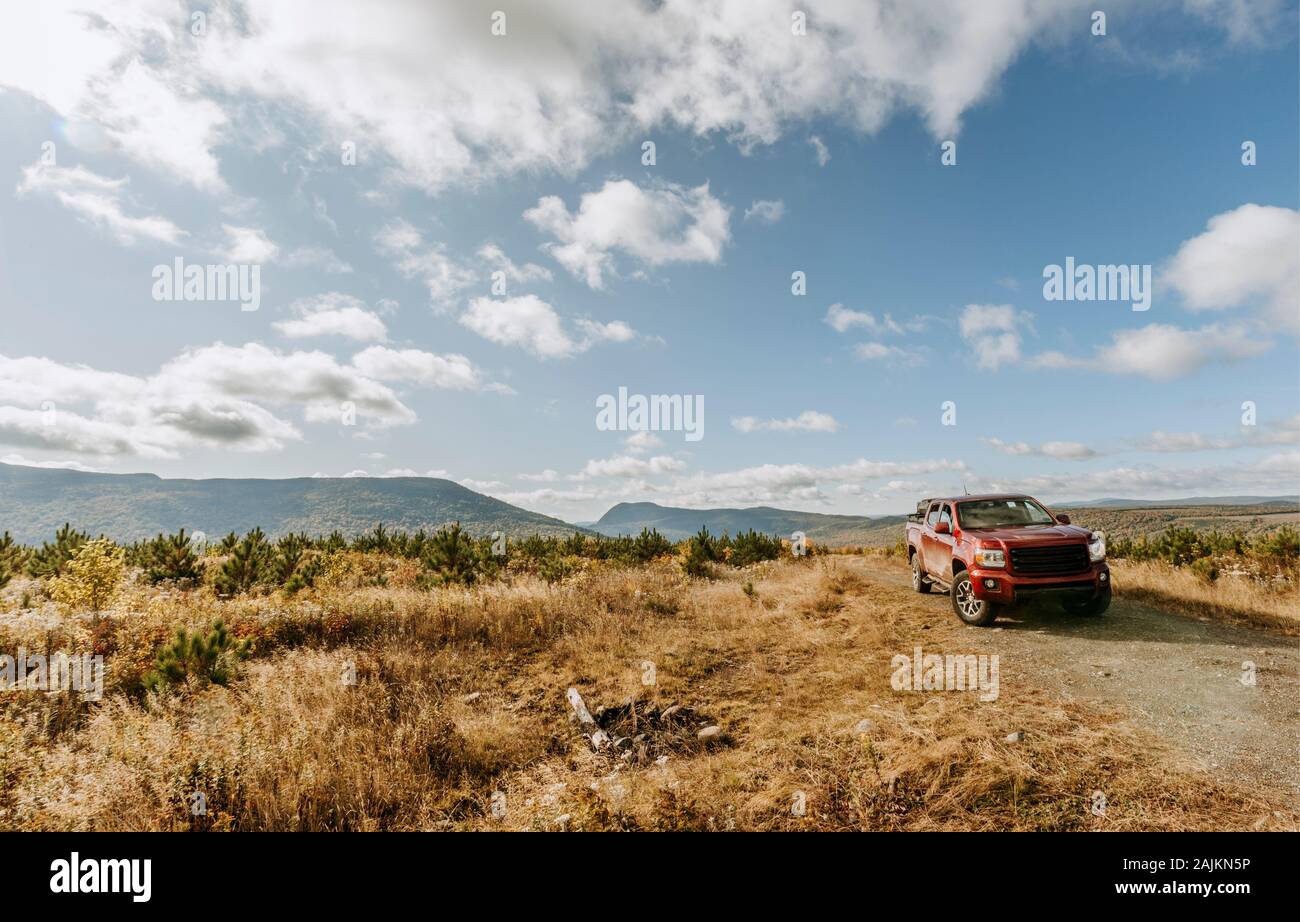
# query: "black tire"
{"type": "Point", "coordinates": [1091, 607]}
{"type": "Point", "coordinates": [918, 578]}
{"type": "Point", "coordinates": [972, 611]}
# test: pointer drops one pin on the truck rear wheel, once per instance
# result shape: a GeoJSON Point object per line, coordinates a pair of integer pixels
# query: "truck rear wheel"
{"type": "Point", "coordinates": [919, 582]}
{"type": "Point", "coordinates": [1092, 607]}
{"type": "Point", "coordinates": [971, 610]}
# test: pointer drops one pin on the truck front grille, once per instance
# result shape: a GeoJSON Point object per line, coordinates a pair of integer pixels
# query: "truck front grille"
{"type": "Point", "coordinates": [1056, 560]}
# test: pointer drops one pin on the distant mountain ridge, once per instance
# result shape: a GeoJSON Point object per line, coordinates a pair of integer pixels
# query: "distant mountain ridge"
{"type": "Point", "coordinates": [677, 523]}
{"type": "Point", "coordinates": [35, 501]}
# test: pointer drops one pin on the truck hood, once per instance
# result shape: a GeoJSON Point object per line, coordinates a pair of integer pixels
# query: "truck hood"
{"type": "Point", "coordinates": [1031, 534]}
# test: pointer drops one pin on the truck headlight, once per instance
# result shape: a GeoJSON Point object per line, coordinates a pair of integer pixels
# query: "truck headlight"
{"type": "Point", "coordinates": [1097, 546]}
{"type": "Point", "coordinates": [990, 557]}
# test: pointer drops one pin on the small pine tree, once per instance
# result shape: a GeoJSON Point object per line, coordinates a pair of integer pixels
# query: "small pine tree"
{"type": "Point", "coordinates": [304, 577]}
{"type": "Point", "coordinates": [50, 560]}
{"type": "Point", "coordinates": [650, 544]}
{"type": "Point", "coordinates": [209, 658]}
{"type": "Point", "coordinates": [698, 559]}
{"type": "Point", "coordinates": [289, 552]}
{"type": "Point", "coordinates": [247, 566]}
{"type": "Point", "coordinates": [172, 559]}
{"type": "Point", "coordinates": [12, 558]}
{"type": "Point", "coordinates": [451, 557]}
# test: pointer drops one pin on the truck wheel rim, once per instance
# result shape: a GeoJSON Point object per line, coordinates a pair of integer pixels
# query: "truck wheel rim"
{"type": "Point", "coordinates": [916, 575]}
{"type": "Point", "coordinates": [966, 601]}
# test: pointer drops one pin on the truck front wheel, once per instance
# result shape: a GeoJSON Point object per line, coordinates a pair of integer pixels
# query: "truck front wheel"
{"type": "Point", "coordinates": [971, 610]}
{"type": "Point", "coordinates": [919, 582]}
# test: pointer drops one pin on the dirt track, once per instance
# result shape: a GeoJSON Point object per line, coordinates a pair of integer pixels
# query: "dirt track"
{"type": "Point", "coordinates": [1180, 677]}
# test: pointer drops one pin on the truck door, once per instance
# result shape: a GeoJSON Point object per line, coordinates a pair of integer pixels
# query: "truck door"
{"type": "Point", "coordinates": [928, 551]}
{"type": "Point", "coordinates": [940, 558]}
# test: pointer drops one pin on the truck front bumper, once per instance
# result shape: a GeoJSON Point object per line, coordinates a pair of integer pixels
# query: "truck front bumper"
{"type": "Point", "coordinates": [1005, 588]}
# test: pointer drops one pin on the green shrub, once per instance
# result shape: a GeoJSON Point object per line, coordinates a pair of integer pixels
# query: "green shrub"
{"type": "Point", "coordinates": [248, 566]}
{"type": "Point", "coordinates": [699, 556]}
{"type": "Point", "coordinates": [750, 547]}
{"type": "Point", "coordinates": [171, 558]}
{"type": "Point", "coordinates": [51, 559]}
{"type": "Point", "coordinates": [1205, 568]}
{"type": "Point", "coordinates": [209, 658]}
{"type": "Point", "coordinates": [451, 558]}
{"type": "Point", "coordinates": [13, 557]}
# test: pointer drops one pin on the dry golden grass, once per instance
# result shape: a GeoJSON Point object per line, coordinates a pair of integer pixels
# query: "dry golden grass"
{"type": "Point", "coordinates": [460, 694]}
{"type": "Point", "coordinates": [1236, 599]}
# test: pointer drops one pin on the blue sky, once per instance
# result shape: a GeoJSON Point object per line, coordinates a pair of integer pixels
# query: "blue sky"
{"type": "Point", "coordinates": [522, 153]}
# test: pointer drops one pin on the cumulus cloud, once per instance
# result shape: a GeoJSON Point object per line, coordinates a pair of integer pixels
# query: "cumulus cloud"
{"type": "Point", "coordinates": [765, 211]}
{"type": "Point", "coordinates": [1275, 473]}
{"type": "Point", "coordinates": [875, 352]}
{"type": "Point", "coordinates": [215, 396]}
{"type": "Point", "coordinates": [1072, 451]}
{"type": "Point", "coordinates": [333, 314]}
{"type": "Point", "coordinates": [98, 201]}
{"type": "Point", "coordinates": [629, 466]}
{"type": "Point", "coordinates": [496, 260]}
{"type": "Point", "coordinates": [993, 333]}
{"type": "Point", "coordinates": [563, 89]}
{"type": "Point", "coordinates": [528, 322]}
{"type": "Point", "coordinates": [659, 224]}
{"type": "Point", "coordinates": [842, 319]}
{"type": "Point", "coordinates": [807, 421]}
{"type": "Point", "coordinates": [642, 441]}
{"type": "Point", "coordinates": [1250, 254]}
{"type": "Point", "coordinates": [1162, 352]}
{"type": "Point", "coordinates": [820, 150]}
{"type": "Point", "coordinates": [414, 258]}
{"type": "Point", "coordinates": [415, 366]}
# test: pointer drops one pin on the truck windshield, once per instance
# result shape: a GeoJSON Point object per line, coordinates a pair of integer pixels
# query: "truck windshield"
{"type": "Point", "coordinates": [1001, 513]}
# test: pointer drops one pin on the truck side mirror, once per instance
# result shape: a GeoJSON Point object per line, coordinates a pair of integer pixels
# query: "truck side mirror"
{"type": "Point", "coordinates": [1063, 519]}
{"type": "Point", "coordinates": [941, 528]}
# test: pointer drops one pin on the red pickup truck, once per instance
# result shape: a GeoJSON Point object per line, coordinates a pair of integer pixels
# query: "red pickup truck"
{"type": "Point", "coordinates": [996, 550]}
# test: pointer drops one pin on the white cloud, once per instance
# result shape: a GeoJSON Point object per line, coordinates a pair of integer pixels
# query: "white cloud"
{"type": "Point", "coordinates": [1250, 253]}
{"type": "Point", "coordinates": [629, 466]}
{"type": "Point", "coordinates": [445, 278]}
{"type": "Point", "coordinates": [820, 150]}
{"type": "Point", "coordinates": [525, 321]}
{"type": "Point", "coordinates": [807, 421]}
{"type": "Point", "coordinates": [660, 224]}
{"type": "Point", "coordinates": [546, 476]}
{"type": "Point", "coordinates": [532, 324]}
{"type": "Point", "coordinates": [1272, 474]}
{"type": "Point", "coordinates": [992, 331]}
{"type": "Point", "coordinates": [765, 211]}
{"type": "Point", "coordinates": [562, 89]}
{"type": "Point", "coordinates": [66, 465]}
{"type": "Point", "coordinates": [1182, 441]}
{"type": "Point", "coordinates": [415, 366]}
{"type": "Point", "coordinates": [842, 319]}
{"type": "Point", "coordinates": [873, 352]}
{"type": "Point", "coordinates": [248, 245]}
{"type": "Point", "coordinates": [642, 441]}
{"type": "Point", "coordinates": [216, 397]}
{"type": "Point", "coordinates": [1161, 352]}
{"type": "Point", "coordinates": [1072, 451]}
{"type": "Point", "coordinates": [333, 314]}
{"type": "Point", "coordinates": [497, 260]}
{"type": "Point", "coordinates": [481, 485]}
{"type": "Point", "coordinates": [97, 200]}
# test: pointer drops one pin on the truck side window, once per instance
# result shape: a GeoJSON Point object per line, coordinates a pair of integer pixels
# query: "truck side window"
{"type": "Point", "coordinates": [946, 516]}
{"type": "Point", "coordinates": [933, 516]}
